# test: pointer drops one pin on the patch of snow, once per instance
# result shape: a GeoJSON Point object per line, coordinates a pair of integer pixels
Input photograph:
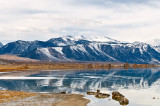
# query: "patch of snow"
{"type": "Point", "coordinates": [140, 45]}
{"type": "Point", "coordinates": [58, 49]}
{"type": "Point", "coordinates": [155, 60]}
{"type": "Point", "coordinates": [61, 44]}
{"type": "Point", "coordinates": [94, 47]}
{"type": "Point", "coordinates": [97, 47]}
{"type": "Point", "coordinates": [157, 48]}
{"type": "Point", "coordinates": [73, 38]}
{"type": "Point", "coordinates": [102, 39]}
{"type": "Point", "coordinates": [47, 53]}
{"type": "Point", "coordinates": [133, 51]}
{"type": "Point", "coordinates": [79, 47]}
{"type": "Point", "coordinates": [141, 51]}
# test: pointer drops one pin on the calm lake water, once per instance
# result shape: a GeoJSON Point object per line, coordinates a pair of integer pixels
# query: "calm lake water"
{"type": "Point", "coordinates": [137, 85]}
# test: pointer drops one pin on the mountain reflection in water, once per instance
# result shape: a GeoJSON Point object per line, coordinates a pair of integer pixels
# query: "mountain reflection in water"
{"type": "Point", "coordinates": [138, 85]}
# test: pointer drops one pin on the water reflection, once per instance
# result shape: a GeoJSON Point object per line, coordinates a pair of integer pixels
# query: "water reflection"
{"type": "Point", "coordinates": [132, 83]}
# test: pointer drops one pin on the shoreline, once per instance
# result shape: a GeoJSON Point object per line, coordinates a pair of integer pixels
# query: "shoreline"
{"type": "Point", "coordinates": [20, 98]}
{"type": "Point", "coordinates": [55, 66]}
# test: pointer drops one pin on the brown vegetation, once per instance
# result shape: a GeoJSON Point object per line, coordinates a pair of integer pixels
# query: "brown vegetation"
{"type": "Point", "coordinates": [51, 65]}
{"type": "Point", "coordinates": [7, 96]}
{"type": "Point", "coordinates": [19, 98]}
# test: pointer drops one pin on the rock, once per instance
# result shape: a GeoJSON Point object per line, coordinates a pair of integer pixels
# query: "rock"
{"type": "Point", "coordinates": [104, 95]}
{"type": "Point", "coordinates": [90, 93]}
{"type": "Point", "coordinates": [98, 94]}
{"type": "Point", "coordinates": [117, 94]}
{"type": "Point", "coordinates": [63, 92]}
{"type": "Point", "coordinates": [119, 97]}
{"type": "Point", "coordinates": [123, 101]}
{"type": "Point", "coordinates": [101, 95]}
{"type": "Point", "coordinates": [98, 91]}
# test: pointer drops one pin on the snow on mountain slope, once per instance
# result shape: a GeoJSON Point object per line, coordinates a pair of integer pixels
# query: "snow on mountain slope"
{"type": "Point", "coordinates": [155, 43]}
{"type": "Point", "coordinates": [46, 52]}
{"type": "Point", "coordinates": [132, 52]}
{"type": "Point", "coordinates": [70, 40]}
{"type": "Point", "coordinates": [157, 48]}
{"type": "Point", "coordinates": [58, 49]}
{"type": "Point", "coordinates": [138, 45]}
{"type": "Point", "coordinates": [67, 40]}
{"type": "Point", "coordinates": [81, 48]}
{"type": "Point", "coordinates": [20, 46]}
{"type": "Point", "coordinates": [49, 53]}
{"type": "Point", "coordinates": [103, 39]}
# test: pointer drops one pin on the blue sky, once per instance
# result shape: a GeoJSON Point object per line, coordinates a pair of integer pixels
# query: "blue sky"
{"type": "Point", "coordinates": [127, 20]}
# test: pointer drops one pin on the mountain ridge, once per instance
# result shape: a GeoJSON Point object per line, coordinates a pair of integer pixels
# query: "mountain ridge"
{"type": "Point", "coordinates": [80, 48]}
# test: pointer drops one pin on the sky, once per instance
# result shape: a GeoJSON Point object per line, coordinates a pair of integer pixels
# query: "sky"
{"type": "Point", "coordinates": [125, 20]}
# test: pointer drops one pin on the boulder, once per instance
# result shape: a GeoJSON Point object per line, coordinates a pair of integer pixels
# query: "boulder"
{"type": "Point", "coordinates": [90, 93]}
{"type": "Point", "coordinates": [123, 101]}
{"type": "Point", "coordinates": [117, 94]}
{"type": "Point", "coordinates": [119, 97]}
{"type": "Point", "coordinates": [63, 92]}
{"type": "Point", "coordinates": [105, 95]}
{"type": "Point", "coordinates": [98, 94]}
{"type": "Point", "coordinates": [101, 95]}
{"type": "Point", "coordinates": [98, 91]}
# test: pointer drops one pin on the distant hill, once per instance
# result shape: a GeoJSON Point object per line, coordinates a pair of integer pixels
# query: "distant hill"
{"type": "Point", "coordinates": [11, 58]}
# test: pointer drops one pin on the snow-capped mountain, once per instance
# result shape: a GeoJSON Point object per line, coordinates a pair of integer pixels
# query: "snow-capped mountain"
{"type": "Point", "coordinates": [132, 53]}
{"type": "Point", "coordinates": [20, 46]}
{"type": "Point", "coordinates": [155, 43]}
{"type": "Point", "coordinates": [80, 48]}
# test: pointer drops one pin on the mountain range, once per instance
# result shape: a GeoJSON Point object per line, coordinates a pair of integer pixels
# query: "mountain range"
{"type": "Point", "coordinates": [80, 48]}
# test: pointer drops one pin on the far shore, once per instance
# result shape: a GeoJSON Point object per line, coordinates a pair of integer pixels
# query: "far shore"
{"type": "Point", "coordinates": [24, 66]}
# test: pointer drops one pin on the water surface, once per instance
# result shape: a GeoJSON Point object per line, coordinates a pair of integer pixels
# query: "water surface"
{"type": "Point", "coordinates": [138, 85]}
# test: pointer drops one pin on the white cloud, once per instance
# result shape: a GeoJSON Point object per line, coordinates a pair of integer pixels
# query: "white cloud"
{"type": "Point", "coordinates": [43, 19]}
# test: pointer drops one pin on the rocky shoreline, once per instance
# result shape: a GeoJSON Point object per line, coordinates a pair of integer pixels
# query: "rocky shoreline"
{"type": "Point", "coordinates": [115, 96]}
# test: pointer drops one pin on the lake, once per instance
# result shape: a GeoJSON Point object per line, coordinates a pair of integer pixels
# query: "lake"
{"type": "Point", "coordinates": [139, 86]}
